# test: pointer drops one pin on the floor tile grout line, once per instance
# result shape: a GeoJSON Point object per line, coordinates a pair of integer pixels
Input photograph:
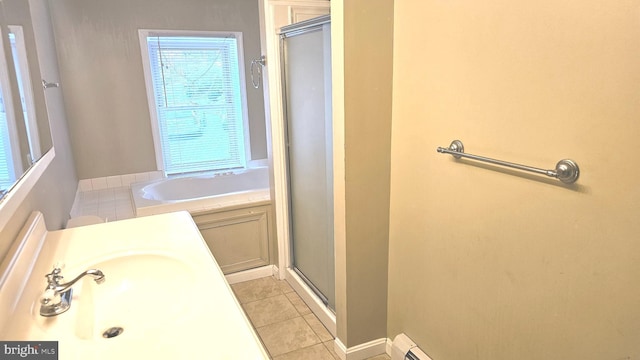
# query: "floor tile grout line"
{"type": "Point", "coordinates": [279, 322]}
{"type": "Point", "coordinates": [278, 292]}
{"type": "Point", "coordinates": [314, 331]}
{"type": "Point", "coordinates": [266, 297]}
{"type": "Point", "coordinates": [331, 351]}
{"type": "Point", "coordinates": [242, 305]}
{"type": "Point", "coordinates": [252, 301]}
{"type": "Point", "coordinates": [308, 346]}
{"type": "Point", "coordinates": [256, 332]}
{"type": "Point", "coordinates": [298, 314]}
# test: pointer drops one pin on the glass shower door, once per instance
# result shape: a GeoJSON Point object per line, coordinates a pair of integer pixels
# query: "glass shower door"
{"type": "Point", "coordinates": [307, 73]}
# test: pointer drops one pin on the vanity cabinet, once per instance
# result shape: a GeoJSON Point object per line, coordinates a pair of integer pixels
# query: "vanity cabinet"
{"type": "Point", "coordinates": [239, 238]}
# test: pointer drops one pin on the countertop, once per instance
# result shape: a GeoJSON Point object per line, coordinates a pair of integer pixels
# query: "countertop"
{"type": "Point", "coordinates": [201, 318]}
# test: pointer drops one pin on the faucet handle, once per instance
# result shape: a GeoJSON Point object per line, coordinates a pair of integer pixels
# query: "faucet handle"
{"type": "Point", "coordinates": [55, 272]}
{"type": "Point", "coordinates": [50, 298]}
{"type": "Point", "coordinates": [54, 277]}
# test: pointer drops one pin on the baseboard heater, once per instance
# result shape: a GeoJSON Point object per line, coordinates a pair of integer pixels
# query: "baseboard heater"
{"type": "Point", "coordinates": [403, 348]}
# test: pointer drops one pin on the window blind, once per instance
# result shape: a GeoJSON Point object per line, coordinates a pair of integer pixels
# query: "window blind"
{"type": "Point", "coordinates": [199, 104]}
{"type": "Point", "coordinates": [7, 168]}
{"type": "Point", "coordinates": [6, 159]}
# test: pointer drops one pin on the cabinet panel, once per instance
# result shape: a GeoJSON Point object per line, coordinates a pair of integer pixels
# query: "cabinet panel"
{"type": "Point", "coordinates": [239, 239]}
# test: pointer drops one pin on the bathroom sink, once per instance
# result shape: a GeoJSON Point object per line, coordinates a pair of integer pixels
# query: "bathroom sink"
{"type": "Point", "coordinates": [143, 293]}
{"type": "Point", "coordinates": [162, 289]}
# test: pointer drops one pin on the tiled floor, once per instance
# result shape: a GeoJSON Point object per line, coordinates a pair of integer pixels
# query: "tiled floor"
{"type": "Point", "coordinates": [285, 324]}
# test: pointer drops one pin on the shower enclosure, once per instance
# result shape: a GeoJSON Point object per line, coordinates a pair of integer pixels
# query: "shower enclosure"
{"type": "Point", "coordinates": [306, 69]}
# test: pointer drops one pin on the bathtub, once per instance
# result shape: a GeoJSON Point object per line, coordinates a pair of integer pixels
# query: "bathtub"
{"type": "Point", "coordinates": [201, 193]}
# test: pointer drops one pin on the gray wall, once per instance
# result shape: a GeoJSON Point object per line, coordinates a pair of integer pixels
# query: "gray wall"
{"type": "Point", "coordinates": [53, 194]}
{"type": "Point", "coordinates": [17, 12]}
{"type": "Point", "coordinates": [102, 74]}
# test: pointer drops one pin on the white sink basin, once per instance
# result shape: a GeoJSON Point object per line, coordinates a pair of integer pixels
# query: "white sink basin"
{"type": "Point", "coordinates": [162, 286]}
{"type": "Point", "coordinates": [143, 292]}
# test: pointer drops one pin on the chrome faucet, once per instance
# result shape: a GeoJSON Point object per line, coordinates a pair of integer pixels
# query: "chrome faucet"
{"type": "Point", "coordinates": [57, 296]}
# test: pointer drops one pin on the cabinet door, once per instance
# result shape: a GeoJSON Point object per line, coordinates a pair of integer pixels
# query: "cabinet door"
{"type": "Point", "coordinates": [237, 239]}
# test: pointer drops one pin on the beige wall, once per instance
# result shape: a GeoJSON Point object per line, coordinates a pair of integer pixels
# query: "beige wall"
{"type": "Point", "coordinates": [53, 194]}
{"type": "Point", "coordinates": [365, 104]}
{"type": "Point", "coordinates": [486, 264]}
{"type": "Point", "coordinates": [101, 69]}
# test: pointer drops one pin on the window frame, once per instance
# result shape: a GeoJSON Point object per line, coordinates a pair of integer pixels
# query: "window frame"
{"type": "Point", "coordinates": [143, 34]}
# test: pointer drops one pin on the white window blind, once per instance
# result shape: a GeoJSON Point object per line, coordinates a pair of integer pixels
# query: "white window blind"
{"type": "Point", "coordinates": [198, 101]}
{"type": "Point", "coordinates": [9, 154]}
{"type": "Point", "coordinates": [7, 177]}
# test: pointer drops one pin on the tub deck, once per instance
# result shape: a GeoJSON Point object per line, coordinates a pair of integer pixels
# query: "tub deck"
{"type": "Point", "coordinates": [201, 193]}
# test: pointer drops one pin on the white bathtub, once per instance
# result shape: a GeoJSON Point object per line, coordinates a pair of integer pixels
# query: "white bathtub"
{"type": "Point", "coordinates": [200, 193]}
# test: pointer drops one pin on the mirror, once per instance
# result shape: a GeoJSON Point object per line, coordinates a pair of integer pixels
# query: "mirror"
{"type": "Point", "coordinates": [24, 124]}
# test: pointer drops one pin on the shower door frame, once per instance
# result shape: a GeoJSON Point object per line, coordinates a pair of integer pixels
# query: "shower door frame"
{"type": "Point", "coordinates": [312, 296]}
{"type": "Point", "coordinates": [275, 14]}
{"type": "Point", "coordinates": [301, 28]}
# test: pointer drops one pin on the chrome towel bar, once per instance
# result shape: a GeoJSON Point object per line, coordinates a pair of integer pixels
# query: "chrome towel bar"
{"type": "Point", "coordinates": [566, 170]}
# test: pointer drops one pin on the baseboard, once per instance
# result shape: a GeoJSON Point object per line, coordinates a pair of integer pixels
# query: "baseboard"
{"type": "Point", "coordinates": [388, 346]}
{"type": "Point", "coordinates": [362, 351]}
{"type": "Point", "coordinates": [251, 274]}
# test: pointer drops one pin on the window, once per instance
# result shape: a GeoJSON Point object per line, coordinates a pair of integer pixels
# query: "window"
{"type": "Point", "coordinates": [10, 163]}
{"type": "Point", "coordinates": [7, 173]}
{"type": "Point", "coordinates": [197, 99]}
